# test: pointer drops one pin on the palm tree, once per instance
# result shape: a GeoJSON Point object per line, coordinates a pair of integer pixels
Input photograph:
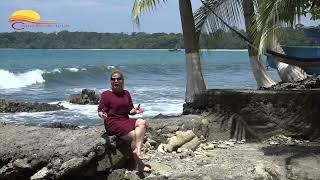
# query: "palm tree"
{"type": "Point", "coordinates": [234, 12]}
{"type": "Point", "coordinates": [195, 82]}
{"type": "Point", "coordinates": [260, 74]}
{"type": "Point", "coordinates": [283, 13]}
{"type": "Point", "coordinates": [257, 31]}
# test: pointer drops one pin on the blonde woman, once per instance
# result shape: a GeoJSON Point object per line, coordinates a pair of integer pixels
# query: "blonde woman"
{"type": "Point", "coordinates": [114, 108]}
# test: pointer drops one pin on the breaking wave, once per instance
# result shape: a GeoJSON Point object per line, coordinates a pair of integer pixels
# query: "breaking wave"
{"type": "Point", "coordinates": [12, 80]}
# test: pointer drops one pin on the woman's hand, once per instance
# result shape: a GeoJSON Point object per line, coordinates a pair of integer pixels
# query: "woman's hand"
{"type": "Point", "coordinates": [102, 115]}
{"type": "Point", "coordinates": [139, 111]}
{"type": "Point", "coordinates": [136, 110]}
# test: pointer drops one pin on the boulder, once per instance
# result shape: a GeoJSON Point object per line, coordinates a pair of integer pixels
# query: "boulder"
{"type": "Point", "coordinates": [54, 153]}
{"type": "Point", "coordinates": [87, 96]}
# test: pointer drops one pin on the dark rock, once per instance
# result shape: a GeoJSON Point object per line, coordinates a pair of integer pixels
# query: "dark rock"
{"type": "Point", "coordinates": [258, 115]}
{"type": "Point", "coordinates": [53, 153]}
{"type": "Point", "coordinates": [118, 174]}
{"type": "Point", "coordinates": [61, 125]}
{"type": "Point", "coordinates": [309, 83]}
{"type": "Point", "coordinates": [156, 136]}
{"type": "Point", "coordinates": [161, 116]}
{"type": "Point", "coordinates": [87, 96]}
{"type": "Point", "coordinates": [201, 128]}
{"type": "Point", "coordinates": [188, 109]}
{"type": "Point", "coordinates": [16, 106]}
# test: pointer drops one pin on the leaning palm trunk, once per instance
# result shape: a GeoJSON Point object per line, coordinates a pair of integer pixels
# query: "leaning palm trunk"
{"type": "Point", "coordinates": [195, 82]}
{"type": "Point", "coordinates": [259, 72]}
{"type": "Point", "coordinates": [287, 73]}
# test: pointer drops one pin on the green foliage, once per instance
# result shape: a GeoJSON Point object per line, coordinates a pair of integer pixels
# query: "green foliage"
{"type": "Point", "coordinates": [141, 6]}
{"type": "Point", "coordinates": [312, 7]}
{"type": "Point", "coordinates": [291, 37]}
{"type": "Point", "coordinates": [222, 40]}
{"type": "Point", "coordinates": [94, 40]}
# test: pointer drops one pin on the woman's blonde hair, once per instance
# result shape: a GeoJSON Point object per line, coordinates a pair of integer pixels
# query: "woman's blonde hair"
{"type": "Point", "coordinates": [116, 71]}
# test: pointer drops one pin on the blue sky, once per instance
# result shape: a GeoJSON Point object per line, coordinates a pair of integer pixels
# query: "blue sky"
{"type": "Point", "coordinates": [96, 15]}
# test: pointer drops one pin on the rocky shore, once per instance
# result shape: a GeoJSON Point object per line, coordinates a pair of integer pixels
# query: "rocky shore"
{"type": "Point", "coordinates": [86, 96]}
{"type": "Point", "coordinates": [55, 153]}
{"type": "Point", "coordinates": [235, 134]}
{"type": "Point", "coordinates": [17, 106]}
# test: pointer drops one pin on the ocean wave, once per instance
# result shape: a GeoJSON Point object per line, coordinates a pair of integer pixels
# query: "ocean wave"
{"type": "Point", "coordinates": [78, 75]}
{"type": "Point", "coordinates": [90, 111]}
{"type": "Point", "coordinates": [111, 67]}
{"type": "Point", "coordinates": [56, 70]}
{"type": "Point", "coordinates": [10, 80]}
{"type": "Point", "coordinates": [15, 80]}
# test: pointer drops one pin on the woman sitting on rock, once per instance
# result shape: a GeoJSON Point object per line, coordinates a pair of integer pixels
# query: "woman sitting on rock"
{"type": "Point", "coordinates": [114, 108]}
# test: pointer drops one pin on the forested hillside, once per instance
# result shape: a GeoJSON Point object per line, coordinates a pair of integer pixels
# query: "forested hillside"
{"type": "Point", "coordinates": [94, 40]}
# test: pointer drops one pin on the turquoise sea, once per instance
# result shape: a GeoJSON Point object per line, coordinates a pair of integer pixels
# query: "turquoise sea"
{"type": "Point", "coordinates": [155, 78]}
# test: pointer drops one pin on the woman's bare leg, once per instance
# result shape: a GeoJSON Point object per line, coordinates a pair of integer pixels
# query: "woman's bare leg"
{"type": "Point", "coordinates": [136, 138]}
{"type": "Point", "coordinates": [130, 137]}
{"type": "Point", "coordinates": [139, 136]}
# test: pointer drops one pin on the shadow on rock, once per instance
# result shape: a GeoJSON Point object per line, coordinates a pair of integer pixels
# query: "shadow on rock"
{"type": "Point", "coordinates": [303, 161]}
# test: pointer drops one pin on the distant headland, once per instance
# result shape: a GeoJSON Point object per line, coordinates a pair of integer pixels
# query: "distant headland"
{"type": "Point", "coordinates": [94, 40]}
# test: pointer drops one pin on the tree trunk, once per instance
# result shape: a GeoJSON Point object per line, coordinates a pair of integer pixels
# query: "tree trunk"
{"type": "Point", "coordinates": [195, 82]}
{"type": "Point", "coordinates": [259, 72]}
{"type": "Point", "coordinates": [287, 73]}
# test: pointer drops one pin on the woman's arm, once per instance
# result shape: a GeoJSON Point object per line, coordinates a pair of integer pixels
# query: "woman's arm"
{"type": "Point", "coordinates": [102, 107]}
{"type": "Point", "coordinates": [133, 110]}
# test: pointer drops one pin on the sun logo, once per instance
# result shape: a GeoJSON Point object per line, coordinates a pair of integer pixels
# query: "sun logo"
{"type": "Point", "coordinates": [25, 16]}
{"type": "Point", "coordinates": [20, 18]}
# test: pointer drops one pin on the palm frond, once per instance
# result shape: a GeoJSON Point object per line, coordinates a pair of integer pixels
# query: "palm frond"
{"type": "Point", "coordinates": [206, 17]}
{"type": "Point", "coordinates": [141, 6]}
{"type": "Point", "coordinates": [274, 14]}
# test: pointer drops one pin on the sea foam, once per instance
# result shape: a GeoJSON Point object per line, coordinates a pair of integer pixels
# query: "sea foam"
{"type": "Point", "coordinates": [73, 69]}
{"type": "Point", "coordinates": [10, 80]}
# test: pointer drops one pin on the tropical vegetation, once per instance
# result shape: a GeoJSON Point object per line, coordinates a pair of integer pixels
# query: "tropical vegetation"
{"type": "Point", "coordinates": [264, 20]}
{"type": "Point", "coordinates": [93, 40]}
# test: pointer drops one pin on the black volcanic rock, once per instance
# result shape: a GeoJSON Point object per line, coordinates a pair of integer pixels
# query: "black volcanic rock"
{"type": "Point", "coordinates": [87, 96]}
{"type": "Point", "coordinates": [309, 83]}
{"type": "Point", "coordinates": [16, 106]}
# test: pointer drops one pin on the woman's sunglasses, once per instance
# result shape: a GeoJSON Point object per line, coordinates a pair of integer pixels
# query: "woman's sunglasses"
{"type": "Point", "coordinates": [114, 79]}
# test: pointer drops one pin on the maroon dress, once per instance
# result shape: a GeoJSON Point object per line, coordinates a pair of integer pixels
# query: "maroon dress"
{"type": "Point", "coordinates": [117, 107]}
